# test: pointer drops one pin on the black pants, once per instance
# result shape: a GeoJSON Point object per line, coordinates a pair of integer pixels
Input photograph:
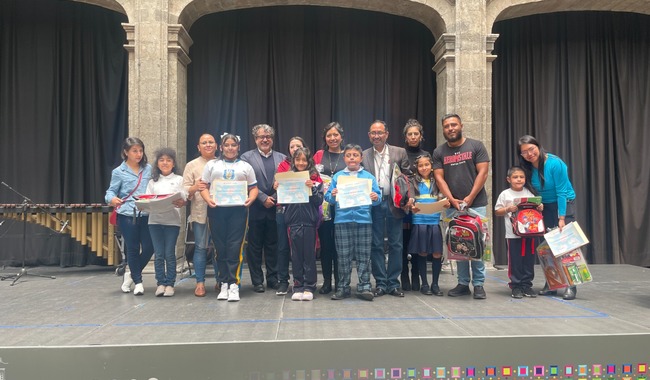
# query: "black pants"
{"type": "Point", "coordinates": [328, 256]}
{"type": "Point", "coordinates": [303, 257]}
{"type": "Point", "coordinates": [521, 262]}
{"type": "Point", "coordinates": [406, 237]}
{"type": "Point", "coordinates": [228, 228]}
{"type": "Point", "coordinates": [262, 247]}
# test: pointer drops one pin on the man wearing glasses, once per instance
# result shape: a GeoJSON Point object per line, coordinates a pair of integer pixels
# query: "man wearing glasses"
{"type": "Point", "coordinates": [262, 230]}
{"type": "Point", "coordinates": [460, 167]}
{"type": "Point", "coordinates": [386, 218]}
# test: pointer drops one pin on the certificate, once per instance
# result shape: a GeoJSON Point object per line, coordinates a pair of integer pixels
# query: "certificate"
{"type": "Point", "coordinates": [353, 193]}
{"type": "Point", "coordinates": [571, 238]}
{"type": "Point", "coordinates": [153, 203]}
{"type": "Point", "coordinates": [432, 208]}
{"type": "Point", "coordinates": [292, 188]}
{"type": "Point", "coordinates": [229, 193]}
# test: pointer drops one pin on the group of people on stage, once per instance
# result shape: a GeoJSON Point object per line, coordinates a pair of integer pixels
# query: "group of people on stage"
{"type": "Point", "coordinates": [383, 236]}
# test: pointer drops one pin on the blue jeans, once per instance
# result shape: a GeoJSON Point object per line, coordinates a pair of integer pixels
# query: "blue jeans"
{"type": "Point", "coordinates": [478, 267]}
{"type": "Point", "coordinates": [164, 244]}
{"type": "Point", "coordinates": [201, 243]}
{"type": "Point", "coordinates": [136, 235]}
{"type": "Point", "coordinates": [383, 222]}
{"type": "Point", "coordinates": [284, 253]}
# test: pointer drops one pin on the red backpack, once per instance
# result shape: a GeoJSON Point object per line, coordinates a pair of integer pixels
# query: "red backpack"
{"type": "Point", "coordinates": [528, 220]}
{"type": "Point", "coordinates": [465, 236]}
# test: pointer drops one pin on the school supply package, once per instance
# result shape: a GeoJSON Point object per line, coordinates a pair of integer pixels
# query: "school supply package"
{"type": "Point", "coordinates": [561, 257]}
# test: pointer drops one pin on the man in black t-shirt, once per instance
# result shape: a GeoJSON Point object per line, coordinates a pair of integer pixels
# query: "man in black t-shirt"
{"type": "Point", "coordinates": [460, 167]}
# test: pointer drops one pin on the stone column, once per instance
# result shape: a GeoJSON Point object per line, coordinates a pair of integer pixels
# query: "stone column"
{"type": "Point", "coordinates": [445, 56]}
{"type": "Point", "coordinates": [179, 42]}
{"type": "Point", "coordinates": [158, 59]}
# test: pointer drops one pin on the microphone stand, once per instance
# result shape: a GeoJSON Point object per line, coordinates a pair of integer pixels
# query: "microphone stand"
{"type": "Point", "coordinates": [23, 269]}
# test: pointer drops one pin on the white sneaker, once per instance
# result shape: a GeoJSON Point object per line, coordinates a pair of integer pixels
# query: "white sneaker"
{"type": "Point", "coordinates": [297, 296]}
{"type": "Point", "coordinates": [139, 289]}
{"type": "Point", "coordinates": [127, 282]}
{"type": "Point", "coordinates": [160, 290]}
{"type": "Point", "coordinates": [223, 293]}
{"type": "Point", "coordinates": [169, 291]}
{"type": "Point", "coordinates": [233, 293]}
{"type": "Point", "coordinates": [307, 296]}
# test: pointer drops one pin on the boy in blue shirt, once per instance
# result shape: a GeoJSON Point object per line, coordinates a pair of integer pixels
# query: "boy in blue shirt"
{"type": "Point", "coordinates": [353, 228]}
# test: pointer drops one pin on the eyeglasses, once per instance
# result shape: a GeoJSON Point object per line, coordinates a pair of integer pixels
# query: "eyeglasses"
{"type": "Point", "coordinates": [528, 151]}
{"type": "Point", "coordinates": [264, 137]}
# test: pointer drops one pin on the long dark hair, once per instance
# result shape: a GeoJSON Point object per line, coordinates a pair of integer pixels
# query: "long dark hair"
{"type": "Point", "coordinates": [311, 168]}
{"type": "Point", "coordinates": [130, 142]}
{"type": "Point", "coordinates": [528, 167]}
{"type": "Point", "coordinates": [329, 126]}
{"type": "Point", "coordinates": [304, 144]}
{"type": "Point", "coordinates": [169, 152]}
{"type": "Point", "coordinates": [418, 178]}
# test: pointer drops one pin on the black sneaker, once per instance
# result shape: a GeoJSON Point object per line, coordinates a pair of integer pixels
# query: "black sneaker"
{"type": "Point", "coordinates": [282, 289]}
{"type": "Point", "coordinates": [340, 294]}
{"type": "Point", "coordinates": [517, 293]}
{"type": "Point", "coordinates": [529, 292]}
{"type": "Point", "coordinates": [424, 289]}
{"type": "Point", "coordinates": [479, 293]}
{"type": "Point", "coordinates": [365, 295]}
{"type": "Point", "coordinates": [435, 290]}
{"type": "Point", "coordinates": [459, 290]}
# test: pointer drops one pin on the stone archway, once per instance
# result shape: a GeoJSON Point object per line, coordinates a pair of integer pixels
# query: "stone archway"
{"type": "Point", "coordinates": [113, 5]}
{"type": "Point", "coordinates": [436, 15]}
{"type": "Point", "coordinates": [498, 10]}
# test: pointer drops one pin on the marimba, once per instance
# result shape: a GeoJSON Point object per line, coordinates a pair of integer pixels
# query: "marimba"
{"type": "Point", "coordinates": [87, 223]}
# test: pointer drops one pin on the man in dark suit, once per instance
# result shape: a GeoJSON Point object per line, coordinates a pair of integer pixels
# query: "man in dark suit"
{"type": "Point", "coordinates": [262, 230]}
{"type": "Point", "coordinates": [386, 218]}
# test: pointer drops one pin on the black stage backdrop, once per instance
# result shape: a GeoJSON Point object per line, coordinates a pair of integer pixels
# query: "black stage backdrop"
{"type": "Point", "coordinates": [580, 83]}
{"type": "Point", "coordinates": [298, 68]}
{"type": "Point", "coordinates": [63, 113]}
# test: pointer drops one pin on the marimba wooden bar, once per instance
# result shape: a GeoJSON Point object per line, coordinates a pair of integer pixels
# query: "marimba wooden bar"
{"type": "Point", "coordinates": [87, 223]}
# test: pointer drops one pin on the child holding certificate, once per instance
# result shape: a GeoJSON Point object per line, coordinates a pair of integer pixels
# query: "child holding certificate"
{"type": "Point", "coordinates": [426, 237]}
{"type": "Point", "coordinates": [164, 227]}
{"type": "Point", "coordinates": [353, 225]}
{"type": "Point", "coordinates": [301, 220]}
{"type": "Point", "coordinates": [228, 217]}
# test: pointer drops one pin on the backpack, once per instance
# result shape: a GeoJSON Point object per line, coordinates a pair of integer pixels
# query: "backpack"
{"type": "Point", "coordinates": [401, 189]}
{"type": "Point", "coordinates": [528, 220]}
{"type": "Point", "coordinates": [465, 237]}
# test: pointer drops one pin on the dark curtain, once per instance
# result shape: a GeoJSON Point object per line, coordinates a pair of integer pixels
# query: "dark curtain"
{"type": "Point", "coordinates": [580, 83]}
{"type": "Point", "coordinates": [298, 68]}
{"type": "Point", "coordinates": [63, 102]}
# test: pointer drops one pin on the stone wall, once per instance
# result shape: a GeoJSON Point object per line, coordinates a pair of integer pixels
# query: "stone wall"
{"type": "Point", "coordinates": [158, 46]}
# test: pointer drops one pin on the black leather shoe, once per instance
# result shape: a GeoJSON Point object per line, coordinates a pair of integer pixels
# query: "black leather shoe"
{"type": "Point", "coordinates": [259, 288]}
{"type": "Point", "coordinates": [546, 291]}
{"type": "Point", "coordinates": [379, 292]}
{"type": "Point", "coordinates": [365, 295]}
{"type": "Point", "coordinates": [435, 290]}
{"type": "Point", "coordinates": [396, 292]}
{"type": "Point", "coordinates": [426, 290]}
{"type": "Point", "coordinates": [340, 294]}
{"type": "Point", "coordinates": [570, 293]}
{"type": "Point", "coordinates": [325, 289]}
